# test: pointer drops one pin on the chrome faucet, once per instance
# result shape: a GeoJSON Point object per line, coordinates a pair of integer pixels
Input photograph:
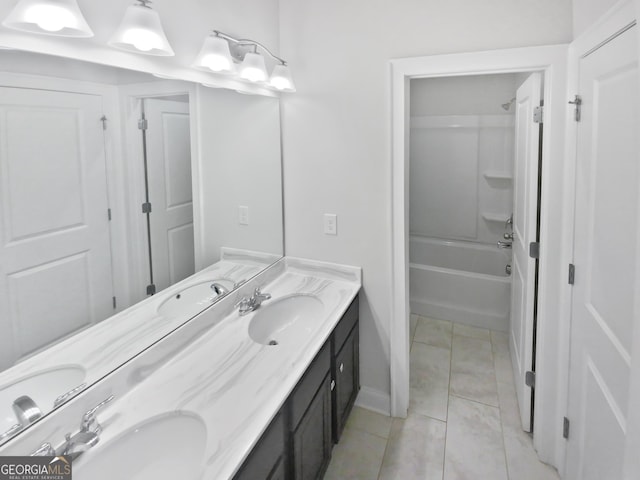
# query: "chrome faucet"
{"type": "Point", "coordinates": [26, 410]}
{"type": "Point", "coordinates": [219, 289]}
{"type": "Point", "coordinates": [502, 244]}
{"type": "Point", "coordinates": [88, 436]}
{"type": "Point", "coordinates": [249, 304]}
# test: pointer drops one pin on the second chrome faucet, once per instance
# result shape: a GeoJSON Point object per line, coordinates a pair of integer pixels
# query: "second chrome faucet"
{"type": "Point", "coordinates": [249, 304]}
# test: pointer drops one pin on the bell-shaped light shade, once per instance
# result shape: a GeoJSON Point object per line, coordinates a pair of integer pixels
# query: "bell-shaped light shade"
{"type": "Point", "coordinates": [253, 68]}
{"type": "Point", "coordinates": [281, 79]}
{"type": "Point", "coordinates": [141, 32]}
{"type": "Point", "coordinates": [215, 56]}
{"type": "Point", "coordinates": [52, 17]}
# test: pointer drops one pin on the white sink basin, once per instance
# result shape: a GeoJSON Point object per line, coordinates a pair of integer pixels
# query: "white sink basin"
{"type": "Point", "coordinates": [192, 300]}
{"type": "Point", "coordinates": [42, 387]}
{"type": "Point", "coordinates": [170, 447]}
{"type": "Point", "coordinates": [286, 320]}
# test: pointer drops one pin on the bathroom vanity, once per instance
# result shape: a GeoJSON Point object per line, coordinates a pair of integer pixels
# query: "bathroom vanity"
{"type": "Point", "coordinates": [259, 395]}
{"type": "Point", "coordinates": [300, 438]}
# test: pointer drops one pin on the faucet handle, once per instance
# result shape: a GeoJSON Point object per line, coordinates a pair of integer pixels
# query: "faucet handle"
{"type": "Point", "coordinates": [89, 422]}
{"type": "Point", "coordinates": [243, 303]}
{"type": "Point", "coordinates": [258, 294]}
{"type": "Point", "coordinates": [45, 450]}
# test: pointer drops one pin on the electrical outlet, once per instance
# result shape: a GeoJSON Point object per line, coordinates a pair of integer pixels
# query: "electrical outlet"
{"type": "Point", "coordinates": [330, 224]}
{"type": "Point", "coordinates": [243, 215]}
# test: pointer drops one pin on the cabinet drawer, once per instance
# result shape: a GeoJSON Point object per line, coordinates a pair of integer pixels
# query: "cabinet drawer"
{"type": "Point", "coordinates": [263, 460]}
{"type": "Point", "coordinates": [346, 323]}
{"type": "Point", "coordinates": [308, 386]}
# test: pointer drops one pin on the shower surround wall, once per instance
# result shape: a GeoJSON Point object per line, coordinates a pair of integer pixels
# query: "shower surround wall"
{"type": "Point", "coordinates": [461, 195]}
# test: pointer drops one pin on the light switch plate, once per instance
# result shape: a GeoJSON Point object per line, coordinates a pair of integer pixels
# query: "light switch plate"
{"type": "Point", "coordinates": [243, 215]}
{"type": "Point", "coordinates": [330, 224]}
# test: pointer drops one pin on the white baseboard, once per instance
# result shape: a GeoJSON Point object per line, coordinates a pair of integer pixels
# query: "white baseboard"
{"type": "Point", "coordinates": [375, 400]}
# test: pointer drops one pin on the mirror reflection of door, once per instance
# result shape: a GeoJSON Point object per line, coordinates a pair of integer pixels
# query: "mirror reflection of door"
{"type": "Point", "coordinates": [168, 178]}
{"type": "Point", "coordinates": [55, 252]}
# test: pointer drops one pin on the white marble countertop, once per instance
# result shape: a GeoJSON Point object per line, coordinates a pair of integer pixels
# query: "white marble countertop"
{"type": "Point", "coordinates": [103, 347]}
{"type": "Point", "coordinates": [236, 386]}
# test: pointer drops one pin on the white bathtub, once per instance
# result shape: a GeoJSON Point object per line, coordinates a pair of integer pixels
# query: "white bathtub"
{"type": "Point", "coordinates": [460, 281]}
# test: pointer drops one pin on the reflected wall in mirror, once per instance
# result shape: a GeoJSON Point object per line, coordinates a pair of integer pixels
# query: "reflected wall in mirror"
{"type": "Point", "coordinates": [114, 186]}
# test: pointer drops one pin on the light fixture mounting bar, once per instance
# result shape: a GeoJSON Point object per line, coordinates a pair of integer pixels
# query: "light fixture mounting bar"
{"type": "Point", "coordinates": [245, 41]}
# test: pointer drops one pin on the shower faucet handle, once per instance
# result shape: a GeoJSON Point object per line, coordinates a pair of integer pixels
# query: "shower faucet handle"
{"type": "Point", "coordinates": [509, 222]}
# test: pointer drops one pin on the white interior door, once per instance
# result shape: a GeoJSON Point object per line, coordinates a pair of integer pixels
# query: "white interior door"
{"type": "Point", "coordinates": [606, 253]}
{"type": "Point", "coordinates": [55, 255]}
{"type": "Point", "coordinates": [170, 193]}
{"type": "Point", "coordinates": [525, 207]}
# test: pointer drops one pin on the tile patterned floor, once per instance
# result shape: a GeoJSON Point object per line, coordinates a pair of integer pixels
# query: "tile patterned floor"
{"type": "Point", "coordinates": [463, 421]}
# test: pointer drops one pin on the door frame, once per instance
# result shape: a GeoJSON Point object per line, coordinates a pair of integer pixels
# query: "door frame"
{"type": "Point", "coordinates": [552, 61]}
{"type": "Point", "coordinates": [131, 97]}
{"type": "Point", "coordinates": [618, 18]}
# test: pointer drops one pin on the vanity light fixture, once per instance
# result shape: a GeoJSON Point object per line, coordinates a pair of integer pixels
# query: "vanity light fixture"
{"type": "Point", "coordinates": [52, 17]}
{"type": "Point", "coordinates": [281, 78]}
{"type": "Point", "coordinates": [253, 68]}
{"type": "Point", "coordinates": [215, 55]}
{"type": "Point", "coordinates": [141, 31]}
{"type": "Point", "coordinates": [220, 52]}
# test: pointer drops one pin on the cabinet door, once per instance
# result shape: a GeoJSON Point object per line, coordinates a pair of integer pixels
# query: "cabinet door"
{"type": "Point", "coordinates": [347, 380]}
{"type": "Point", "coordinates": [266, 459]}
{"type": "Point", "coordinates": [312, 438]}
{"type": "Point", "coordinates": [279, 471]}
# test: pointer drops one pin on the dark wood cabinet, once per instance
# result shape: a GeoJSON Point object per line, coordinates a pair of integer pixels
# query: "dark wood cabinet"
{"type": "Point", "coordinates": [297, 445]}
{"type": "Point", "coordinates": [347, 381]}
{"type": "Point", "coordinates": [312, 439]}
{"type": "Point", "coordinates": [268, 458]}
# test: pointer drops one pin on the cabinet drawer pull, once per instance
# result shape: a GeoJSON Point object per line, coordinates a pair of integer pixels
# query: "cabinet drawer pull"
{"type": "Point", "coordinates": [333, 385]}
{"type": "Point", "coordinates": [341, 367]}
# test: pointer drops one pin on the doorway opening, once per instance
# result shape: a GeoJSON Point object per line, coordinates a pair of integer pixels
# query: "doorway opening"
{"type": "Point", "coordinates": [550, 63]}
{"type": "Point", "coordinates": [475, 148]}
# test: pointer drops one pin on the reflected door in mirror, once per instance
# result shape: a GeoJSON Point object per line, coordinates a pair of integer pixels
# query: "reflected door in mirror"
{"type": "Point", "coordinates": [55, 256]}
{"type": "Point", "coordinates": [168, 143]}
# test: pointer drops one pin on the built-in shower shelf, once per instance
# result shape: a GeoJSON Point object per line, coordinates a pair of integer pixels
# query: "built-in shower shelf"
{"type": "Point", "coordinates": [497, 175]}
{"type": "Point", "coordinates": [495, 217]}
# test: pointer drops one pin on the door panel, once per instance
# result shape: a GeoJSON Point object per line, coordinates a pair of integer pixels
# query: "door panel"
{"type": "Point", "coordinates": [525, 228]}
{"type": "Point", "coordinates": [55, 252]}
{"type": "Point", "coordinates": [605, 255]}
{"type": "Point", "coordinates": [170, 193]}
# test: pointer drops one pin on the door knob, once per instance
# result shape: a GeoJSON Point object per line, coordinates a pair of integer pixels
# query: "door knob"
{"type": "Point", "coordinates": [509, 236]}
{"type": "Point", "coordinates": [507, 269]}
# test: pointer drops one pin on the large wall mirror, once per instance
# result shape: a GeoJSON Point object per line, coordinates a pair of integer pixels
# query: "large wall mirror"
{"type": "Point", "coordinates": [128, 204]}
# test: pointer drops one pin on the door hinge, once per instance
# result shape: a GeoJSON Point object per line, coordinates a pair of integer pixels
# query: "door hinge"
{"type": "Point", "coordinates": [577, 101]}
{"type": "Point", "coordinates": [333, 385]}
{"type": "Point", "coordinates": [530, 379]}
{"type": "Point", "coordinates": [538, 114]}
{"type": "Point", "coordinates": [143, 124]}
{"type": "Point", "coordinates": [103, 119]}
{"type": "Point", "coordinates": [109, 214]}
{"type": "Point", "coordinates": [565, 428]}
{"type": "Point", "coordinates": [146, 207]}
{"type": "Point", "coordinates": [534, 250]}
{"type": "Point", "coordinates": [151, 289]}
{"type": "Point", "coordinates": [114, 302]}
{"type": "Point", "coordinates": [572, 274]}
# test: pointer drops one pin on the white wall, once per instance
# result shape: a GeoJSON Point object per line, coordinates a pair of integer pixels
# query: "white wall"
{"type": "Point", "coordinates": [186, 23]}
{"type": "Point", "coordinates": [240, 158]}
{"type": "Point", "coordinates": [336, 128]}
{"type": "Point", "coordinates": [586, 12]}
